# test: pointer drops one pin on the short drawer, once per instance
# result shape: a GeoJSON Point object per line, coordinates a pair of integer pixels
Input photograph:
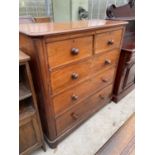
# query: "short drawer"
{"type": "Point", "coordinates": [108, 40]}
{"type": "Point", "coordinates": [66, 76]}
{"type": "Point", "coordinates": [82, 110]}
{"type": "Point", "coordinates": [66, 51]}
{"type": "Point", "coordinates": [106, 60]}
{"type": "Point", "coordinates": [70, 97]}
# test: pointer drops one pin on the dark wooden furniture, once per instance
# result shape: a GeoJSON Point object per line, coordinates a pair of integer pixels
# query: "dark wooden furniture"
{"type": "Point", "coordinates": [30, 131]}
{"type": "Point", "coordinates": [74, 68]}
{"type": "Point", "coordinates": [122, 142]}
{"type": "Point", "coordinates": [125, 77]}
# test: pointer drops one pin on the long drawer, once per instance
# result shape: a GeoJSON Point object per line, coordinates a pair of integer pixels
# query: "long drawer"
{"type": "Point", "coordinates": [66, 76]}
{"type": "Point", "coordinates": [70, 97]}
{"type": "Point", "coordinates": [77, 113]}
{"type": "Point", "coordinates": [108, 40]}
{"type": "Point", "coordinates": [66, 51]}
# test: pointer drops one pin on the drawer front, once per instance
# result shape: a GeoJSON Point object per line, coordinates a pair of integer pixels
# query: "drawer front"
{"type": "Point", "coordinates": [101, 97]}
{"type": "Point", "coordinates": [108, 40]}
{"type": "Point", "coordinates": [106, 60]}
{"type": "Point", "coordinates": [66, 51]}
{"type": "Point", "coordinates": [103, 79]}
{"type": "Point", "coordinates": [66, 76]}
{"type": "Point", "coordinates": [74, 95]}
{"type": "Point", "coordinates": [70, 97]}
{"type": "Point", "coordinates": [77, 113]}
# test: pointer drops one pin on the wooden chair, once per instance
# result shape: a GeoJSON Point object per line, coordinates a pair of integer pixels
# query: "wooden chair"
{"type": "Point", "coordinates": [26, 19]}
{"type": "Point", "coordinates": [42, 19]}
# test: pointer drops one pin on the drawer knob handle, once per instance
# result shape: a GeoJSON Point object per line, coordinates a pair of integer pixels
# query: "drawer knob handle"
{"type": "Point", "coordinates": [74, 76]}
{"type": "Point", "coordinates": [102, 97]}
{"type": "Point", "coordinates": [74, 116]}
{"type": "Point", "coordinates": [110, 42]}
{"type": "Point", "coordinates": [105, 80]}
{"type": "Point", "coordinates": [74, 97]}
{"type": "Point", "coordinates": [107, 61]}
{"type": "Point", "coordinates": [75, 51]}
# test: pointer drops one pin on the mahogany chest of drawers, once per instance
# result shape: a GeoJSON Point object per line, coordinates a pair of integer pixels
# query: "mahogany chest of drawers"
{"type": "Point", "coordinates": [74, 67]}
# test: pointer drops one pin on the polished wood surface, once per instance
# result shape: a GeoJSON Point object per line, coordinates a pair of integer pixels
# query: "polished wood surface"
{"type": "Point", "coordinates": [105, 61]}
{"type": "Point", "coordinates": [69, 98]}
{"type": "Point", "coordinates": [108, 40]}
{"type": "Point", "coordinates": [66, 51]}
{"type": "Point", "coordinates": [125, 77]}
{"type": "Point", "coordinates": [122, 142]}
{"type": "Point", "coordinates": [69, 74]}
{"type": "Point", "coordinates": [44, 29]}
{"type": "Point", "coordinates": [78, 112]}
{"type": "Point", "coordinates": [66, 76]}
{"type": "Point", "coordinates": [30, 131]}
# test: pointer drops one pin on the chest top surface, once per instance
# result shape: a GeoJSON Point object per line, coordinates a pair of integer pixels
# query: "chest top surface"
{"type": "Point", "coordinates": [43, 29]}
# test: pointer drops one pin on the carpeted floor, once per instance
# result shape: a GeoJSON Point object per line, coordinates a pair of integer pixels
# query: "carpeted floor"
{"type": "Point", "coordinates": [89, 137]}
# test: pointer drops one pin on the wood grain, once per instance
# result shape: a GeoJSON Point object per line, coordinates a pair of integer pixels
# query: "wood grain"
{"type": "Point", "coordinates": [122, 142]}
{"type": "Point", "coordinates": [66, 68]}
{"type": "Point", "coordinates": [46, 29]}
{"type": "Point", "coordinates": [106, 60]}
{"type": "Point", "coordinates": [61, 52]}
{"type": "Point", "coordinates": [69, 98]}
{"type": "Point", "coordinates": [80, 110]}
{"type": "Point", "coordinates": [125, 77]}
{"type": "Point", "coordinates": [30, 131]}
{"type": "Point", "coordinates": [108, 40]}
{"type": "Point", "coordinates": [62, 77]}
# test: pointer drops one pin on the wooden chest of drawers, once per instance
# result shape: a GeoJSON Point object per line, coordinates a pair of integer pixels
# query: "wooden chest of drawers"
{"type": "Point", "coordinates": [74, 67]}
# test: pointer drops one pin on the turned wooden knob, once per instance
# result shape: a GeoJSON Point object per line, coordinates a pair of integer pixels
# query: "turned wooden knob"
{"type": "Point", "coordinates": [74, 76]}
{"type": "Point", "coordinates": [74, 97]}
{"type": "Point", "coordinates": [104, 80]}
{"type": "Point", "coordinates": [101, 96]}
{"type": "Point", "coordinates": [74, 51]}
{"type": "Point", "coordinates": [74, 116]}
{"type": "Point", "coordinates": [110, 42]}
{"type": "Point", "coordinates": [107, 61]}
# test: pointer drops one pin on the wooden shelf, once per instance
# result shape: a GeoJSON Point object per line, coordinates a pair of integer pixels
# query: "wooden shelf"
{"type": "Point", "coordinates": [24, 92]}
{"type": "Point", "coordinates": [30, 132]}
{"type": "Point", "coordinates": [26, 111]}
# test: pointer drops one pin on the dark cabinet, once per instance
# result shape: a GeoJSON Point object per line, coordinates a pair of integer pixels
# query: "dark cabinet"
{"type": "Point", "coordinates": [125, 77]}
